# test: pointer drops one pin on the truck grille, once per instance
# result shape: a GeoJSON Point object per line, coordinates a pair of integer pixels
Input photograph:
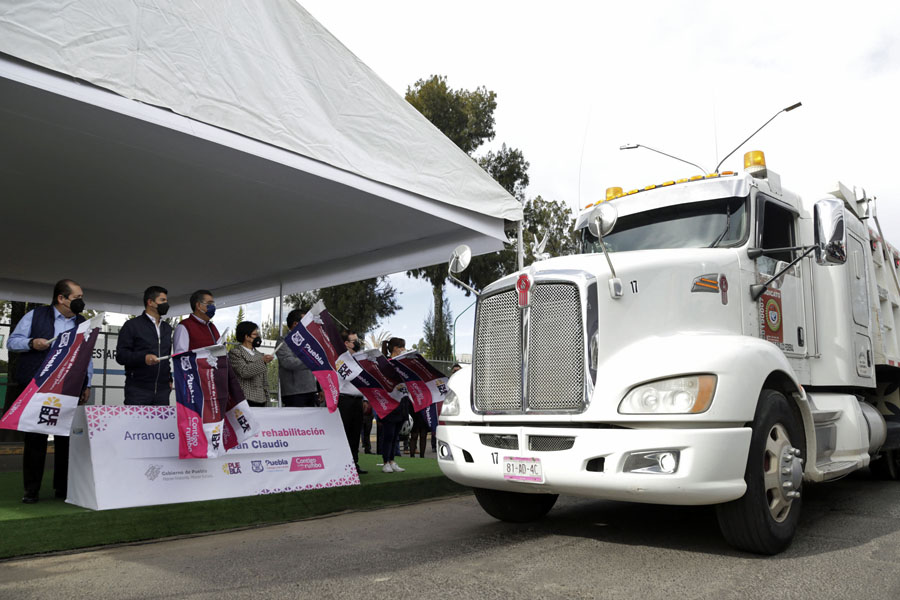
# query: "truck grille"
{"type": "Point", "coordinates": [501, 441]}
{"type": "Point", "coordinates": [555, 356]}
{"type": "Point", "coordinates": [550, 443]}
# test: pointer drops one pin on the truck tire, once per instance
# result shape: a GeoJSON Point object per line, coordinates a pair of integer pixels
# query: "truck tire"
{"type": "Point", "coordinates": [515, 507]}
{"type": "Point", "coordinates": [765, 518]}
{"type": "Point", "coordinates": [886, 466]}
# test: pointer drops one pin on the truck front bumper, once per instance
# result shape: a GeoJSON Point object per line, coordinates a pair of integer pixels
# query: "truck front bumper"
{"type": "Point", "coordinates": [710, 463]}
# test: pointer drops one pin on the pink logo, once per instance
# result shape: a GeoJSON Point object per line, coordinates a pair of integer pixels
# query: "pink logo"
{"type": "Point", "coordinates": [523, 286]}
{"type": "Point", "coordinates": [307, 463]}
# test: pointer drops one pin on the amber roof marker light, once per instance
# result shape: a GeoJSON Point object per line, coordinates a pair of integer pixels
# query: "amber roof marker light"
{"type": "Point", "coordinates": [788, 109]}
{"type": "Point", "coordinates": [634, 146]}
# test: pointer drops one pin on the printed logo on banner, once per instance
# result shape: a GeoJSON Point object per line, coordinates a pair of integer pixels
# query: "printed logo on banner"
{"type": "Point", "coordinates": [257, 466]}
{"type": "Point", "coordinates": [153, 472]}
{"type": "Point", "coordinates": [307, 463]}
{"type": "Point", "coordinates": [242, 420]}
{"type": "Point", "coordinates": [276, 464]}
{"type": "Point", "coordinates": [49, 414]}
{"type": "Point", "coordinates": [231, 468]}
{"type": "Point", "coordinates": [441, 385]}
{"type": "Point", "coordinates": [215, 437]}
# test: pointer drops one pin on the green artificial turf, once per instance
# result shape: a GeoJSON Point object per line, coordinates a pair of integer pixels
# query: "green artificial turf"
{"type": "Point", "coordinates": [52, 525]}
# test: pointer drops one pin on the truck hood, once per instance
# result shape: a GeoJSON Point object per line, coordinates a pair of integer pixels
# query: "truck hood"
{"type": "Point", "coordinates": [666, 292]}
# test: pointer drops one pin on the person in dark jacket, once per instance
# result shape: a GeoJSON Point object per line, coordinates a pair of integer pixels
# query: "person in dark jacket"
{"type": "Point", "coordinates": [142, 340]}
{"type": "Point", "coordinates": [32, 337]}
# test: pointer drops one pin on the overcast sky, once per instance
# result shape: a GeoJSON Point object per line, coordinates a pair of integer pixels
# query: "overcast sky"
{"type": "Point", "coordinates": [575, 80]}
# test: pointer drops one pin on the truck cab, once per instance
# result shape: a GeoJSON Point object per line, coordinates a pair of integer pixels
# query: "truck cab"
{"type": "Point", "coordinates": [713, 343]}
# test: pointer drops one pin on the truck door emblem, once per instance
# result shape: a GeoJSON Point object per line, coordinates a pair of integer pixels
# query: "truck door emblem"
{"type": "Point", "coordinates": [706, 283]}
{"type": "Point", "coordinates": [523, 286]}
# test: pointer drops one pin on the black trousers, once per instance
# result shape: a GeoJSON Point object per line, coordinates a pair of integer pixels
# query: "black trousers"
{"type": "Point", "coordinates": [307, 400]}
{"type": "Point", "coordinates": [351, 410]}
{"type": "Point", "coordinates": [33, 458]}
{"type": "Point", "coordinates": [367, 433]}
{"type": "Point", "coordinates": [141, 396]}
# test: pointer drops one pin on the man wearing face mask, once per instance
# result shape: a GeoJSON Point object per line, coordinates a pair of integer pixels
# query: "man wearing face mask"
{"type": "Point", "coordinates": [142, 340]}
{"type": "Point", "coordinates": [197, 331]}
{"type": "Point", "coordinates": [32, 337]}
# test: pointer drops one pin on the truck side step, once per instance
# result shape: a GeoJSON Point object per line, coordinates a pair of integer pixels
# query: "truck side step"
{"type": "Point", "coordinates": [835, 469]}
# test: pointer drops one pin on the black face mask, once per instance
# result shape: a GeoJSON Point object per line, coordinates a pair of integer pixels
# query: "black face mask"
{"type": "Point", "coordinates": [257, 342]}
{"type": "Point", "coordinates": [77, 306]}
{"type": "Point", "coordinates": [162, 309]}
{"type": "Point", "coordinates": [357, 346]}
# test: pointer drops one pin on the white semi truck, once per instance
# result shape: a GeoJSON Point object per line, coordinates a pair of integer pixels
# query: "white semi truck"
{"type": "Point", "coordinates": [718, 341]}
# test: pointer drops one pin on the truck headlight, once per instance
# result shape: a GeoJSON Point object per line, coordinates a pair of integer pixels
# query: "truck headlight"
{"type": "Point", "coordinates": [451, 405]}
{"type": "Point", "coordinates": [678, 395]}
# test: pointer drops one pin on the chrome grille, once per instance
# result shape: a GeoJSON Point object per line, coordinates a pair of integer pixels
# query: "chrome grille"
{"type": "Point", "coordinates": [555, 354]}
{"type": "Point", "coordinates": [556, 349]}
{"type": "Point", "coordinates": [550, 443]}
{"type": "Point", "coordinates": [502, 441]}
{"type": "Point", "coordinates": [498, 369]}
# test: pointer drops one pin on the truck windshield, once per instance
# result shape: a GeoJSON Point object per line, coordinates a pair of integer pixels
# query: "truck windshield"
{"type": "Point", "coordinates": [712, 224]}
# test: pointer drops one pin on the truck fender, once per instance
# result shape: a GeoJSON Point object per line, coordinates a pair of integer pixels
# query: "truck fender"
{"type": "Point", "coordinates": [744, 367]}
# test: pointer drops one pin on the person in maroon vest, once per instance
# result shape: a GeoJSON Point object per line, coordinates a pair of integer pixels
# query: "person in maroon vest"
{"type": "Point", "coordinates": [198, 331]}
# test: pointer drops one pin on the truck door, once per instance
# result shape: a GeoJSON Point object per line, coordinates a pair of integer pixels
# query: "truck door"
{"type": "Point", "coordinates": [859, 302]}
{"type": "Point", "coordinates": [782, 318]}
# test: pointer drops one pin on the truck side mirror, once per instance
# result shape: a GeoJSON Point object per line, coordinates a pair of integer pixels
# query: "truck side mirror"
{"type": "Point", "coordinates": [830, 232]}
{"type": "Point", "coordinates": [460, 259]}
{"type": "Point", "coordinates": [602, 220]}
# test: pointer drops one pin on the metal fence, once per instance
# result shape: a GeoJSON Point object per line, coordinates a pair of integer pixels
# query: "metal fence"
{"type": "Point", "coordinates": [108, 384]}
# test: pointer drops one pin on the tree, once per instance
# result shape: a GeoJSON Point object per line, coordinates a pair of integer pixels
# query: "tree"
{"type": "Point", "coordinates": [438, 335]}
{"type": "Point", "coordinates": [376, 339]}
{"type": "Point", "coordinates": [466, 117]}
{"type": "Point", "coordinates": [359, 305]}
{"type": "Point", "coordinates": [509, 168]}
{"type": "Point", "coordinates": [541, 217]}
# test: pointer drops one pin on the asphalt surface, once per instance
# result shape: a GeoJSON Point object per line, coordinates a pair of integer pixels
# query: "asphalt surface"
{"type": "Point", "coordinates": [848, 547]}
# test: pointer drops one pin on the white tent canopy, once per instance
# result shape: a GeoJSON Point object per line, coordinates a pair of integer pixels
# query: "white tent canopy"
{"type": "Point", "coordinates": [260, 155]}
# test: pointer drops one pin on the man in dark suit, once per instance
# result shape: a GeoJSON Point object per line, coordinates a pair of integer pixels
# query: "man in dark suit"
{"type": "Point", "coordinates": [142, 340]}
{"type": "Point", "coordinates": [32, 337]}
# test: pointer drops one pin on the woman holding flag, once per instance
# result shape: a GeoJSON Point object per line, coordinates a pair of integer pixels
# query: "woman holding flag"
{"type": "Point", "coordinates": [391, 424]}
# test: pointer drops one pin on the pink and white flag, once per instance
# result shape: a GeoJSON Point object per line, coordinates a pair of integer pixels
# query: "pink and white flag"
{"type": "Point", "coordinates": [201, 395]}
{"type": "Point", "coordinates": [48, 402]}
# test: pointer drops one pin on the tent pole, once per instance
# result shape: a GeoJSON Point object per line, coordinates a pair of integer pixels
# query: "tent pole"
{"type": "Point", "coordinates": [278, 326]}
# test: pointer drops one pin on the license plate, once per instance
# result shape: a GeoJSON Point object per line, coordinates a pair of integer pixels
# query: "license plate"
{"type": "Point", "coordinates": [523, 469]}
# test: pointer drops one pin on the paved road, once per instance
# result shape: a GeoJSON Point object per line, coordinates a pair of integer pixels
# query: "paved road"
{"type": "Point", "coordinates": [848, 547]}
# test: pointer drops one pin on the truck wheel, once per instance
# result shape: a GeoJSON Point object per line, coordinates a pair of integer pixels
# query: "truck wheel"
{"type": "Point", "coordinates": [515, 507]}
{"type": "Point", "coordinates": [886, 466]}
{"type": "Point", "coordinates": [765, 518]}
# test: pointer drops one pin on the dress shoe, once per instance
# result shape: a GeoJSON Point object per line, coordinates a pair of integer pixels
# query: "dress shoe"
{"type": "Point", "coordinates": [28, 499]}
{"type": "Point", "coordinates": [360, 471]}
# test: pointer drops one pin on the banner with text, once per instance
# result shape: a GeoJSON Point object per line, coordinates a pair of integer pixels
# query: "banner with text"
{"type": "Point", "coordinates": [201, 395]}
{"type": "Point", "coordinates": [48, 402]}
{"type": "Point", "coordinates": [435, 381]}
{"type": "Point", "coordinates": [124, 456]}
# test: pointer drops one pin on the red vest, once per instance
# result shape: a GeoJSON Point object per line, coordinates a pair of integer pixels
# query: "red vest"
{"type": "Point", "coordinates": [200, 335]}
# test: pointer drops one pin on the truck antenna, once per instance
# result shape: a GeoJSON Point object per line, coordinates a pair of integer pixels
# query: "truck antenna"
{"type": "Point", "coordinates": [633, 146]}
{"type": "Point", "coordinates": [788, 109]}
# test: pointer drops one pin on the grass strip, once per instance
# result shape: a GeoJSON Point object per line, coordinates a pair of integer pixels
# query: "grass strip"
{"type": "Point", "coordinates": [50, 526]}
